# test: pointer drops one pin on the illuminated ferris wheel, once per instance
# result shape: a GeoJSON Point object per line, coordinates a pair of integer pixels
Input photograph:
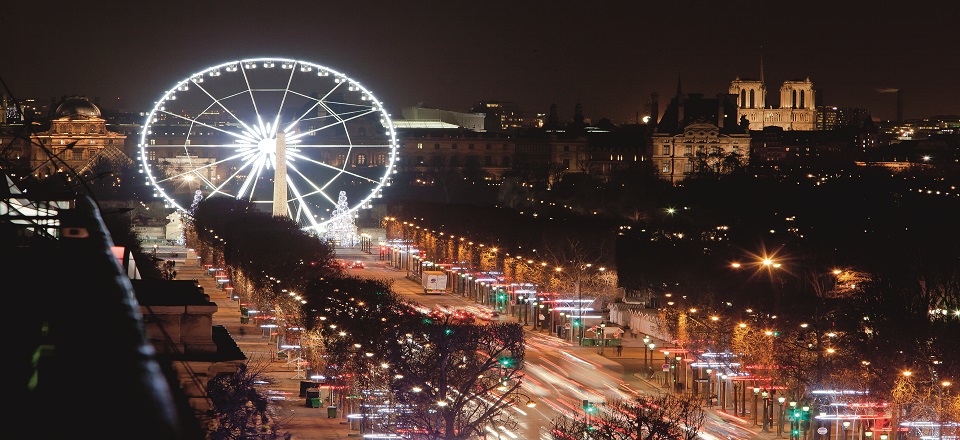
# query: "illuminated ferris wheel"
{"type": "Point", "coordinates": [286, 135]}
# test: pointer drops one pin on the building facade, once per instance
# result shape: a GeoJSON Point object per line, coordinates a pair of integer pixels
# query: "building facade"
{"type": "Point", "coordinates": [795, 111]}
{"type": "Point", "coordinates": [701, 147]}
{"type": "Point", "coordinates": [77, 140]}
{"type": "Point", "coordinates": [699, 135]}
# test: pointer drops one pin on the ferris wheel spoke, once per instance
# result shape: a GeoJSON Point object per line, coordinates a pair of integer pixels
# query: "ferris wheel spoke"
{"type": "Point", "coordinates": [317, 102]}
{"type": "Point", "coordinates": [257, 167]}
{"type": "Point", "coordinates": [301, 205]}
{"type": "Point", "coordinates": [299, 146]}
{"type": "Point", "coordinates": [199, 168]}
{"type": "Point", "coordinates": [326, 165]}
{"type": "Point", "coordinates": [211, 146]}
{"type": "Point", "coordinates": [316, 189]}
{"type": "Point", "coordinates": [318, 163]}
{"type": "Point", "coordinates": [218, 102]}
{"type": "Point", "coordinates": [339, 122]}
{"type": "Point", "coordinates": [246, 164]}
{"type": "Point", "coordinates": [283, 100]}
{"type": "Point", "coordinates": [253, 99]}
{"type": "Point", "coordinates": [212, 127]}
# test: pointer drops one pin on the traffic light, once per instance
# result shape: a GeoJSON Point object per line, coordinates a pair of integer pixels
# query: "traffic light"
{"type": "Point", "coordinates": [588, 407]}
{"type": "Point", "coordinates": [506, 362]}
{"type": "Point", "coordinates": [576, 323]}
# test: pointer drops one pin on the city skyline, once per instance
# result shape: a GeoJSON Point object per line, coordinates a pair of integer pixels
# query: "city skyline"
{"type": "Point", "coordinates": [608, 59]}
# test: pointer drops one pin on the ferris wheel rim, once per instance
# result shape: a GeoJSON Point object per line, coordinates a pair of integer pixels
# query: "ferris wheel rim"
{"type": "Point", "coordinates": [182, 85]}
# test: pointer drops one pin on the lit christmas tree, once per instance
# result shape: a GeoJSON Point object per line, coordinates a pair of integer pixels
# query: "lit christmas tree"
{"type": "Point", "coordinates": [342, 230]}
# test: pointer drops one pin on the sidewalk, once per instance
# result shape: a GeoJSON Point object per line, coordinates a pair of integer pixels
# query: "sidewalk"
{"type": "Point", "coordinates": [306, 423]}
{"type": "Point", "coordinates": [284, 387]}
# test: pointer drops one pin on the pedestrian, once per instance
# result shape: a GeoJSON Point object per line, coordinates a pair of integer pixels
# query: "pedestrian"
{"type": "Point", "coordinates": [619, 350]}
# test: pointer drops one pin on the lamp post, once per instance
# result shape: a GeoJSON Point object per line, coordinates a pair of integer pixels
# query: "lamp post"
{"type": "Point", "coordinates": [780, 400]}
{"type": "Point", "coordinates": [722, 390]}
{"type": "Point", "coordinates": [533, 306]}
{"type": "Point", "coordinates": [940, 409]}
{"type": "Point", "coordinates": [794, 424]}
{"type": "Point", "coordinates": [651, 346]}
{"type": "Point", "coordinates": [646, 342]}
{"type": "Point", "coordinates": [602, 336]}
{"type": "Point", "coordinates": [666, 372]}
{"type": "Point", "coordinates": [846, 426]}
{"type": "Point", "coordinates": [766, 415]}
{"type": "Point", "coordinates": [677, 384]}
{"type": "Point", "coordinates": [707, 394]}
{"type": "Point", "coordinates": [542, 321]}
{"type": "Point", "coordinates": [756, 396]}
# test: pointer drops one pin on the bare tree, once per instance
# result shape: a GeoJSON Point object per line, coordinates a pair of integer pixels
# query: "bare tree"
{"type": "Point", "coordinates": [644, 417]}
{"type": "Point", "coordinates": [580, 270]}
{"type": "Point", "coordinates": [241, 409]}
{"type": "Point", "coordinates": [451, 380]}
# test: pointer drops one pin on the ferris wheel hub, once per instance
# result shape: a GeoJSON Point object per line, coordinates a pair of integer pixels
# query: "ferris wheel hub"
{"type": "Point", "coordinates": [267, 146]}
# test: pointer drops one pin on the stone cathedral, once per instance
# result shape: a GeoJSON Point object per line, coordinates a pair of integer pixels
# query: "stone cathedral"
{"type": "Point", "coordinates": [796, 110]}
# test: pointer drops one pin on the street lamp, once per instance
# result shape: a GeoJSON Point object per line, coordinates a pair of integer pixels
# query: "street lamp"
{"type": "Point", "coordinates": [794, 421]}
{"type": "Point", "coordinates": [756, 395]}
{"type": "Point", "coordinates": [646, 342]}
{"type": "Point", "coordinates": [651, 346]}
{"type": "Point", "coordinates": [676, 374]}
{"type": "Point", "coordinates": [708, 394]}
{"type": "Point", "coordinates": [846, 426]}
{"type": "Point", "coordinates": [766, 415]}
{"type": "Point", "coordinates": [602, 336]}
{"type": "Point", "coordinates": [804, 422]}
{"type": "Point", "coordinates": [780, 400]}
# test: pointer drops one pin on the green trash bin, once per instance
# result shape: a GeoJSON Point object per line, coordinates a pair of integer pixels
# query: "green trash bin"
{"type": "Point", "coordinates": [313, 402]}
{"type": "Point", "coordinates": [331, 412]}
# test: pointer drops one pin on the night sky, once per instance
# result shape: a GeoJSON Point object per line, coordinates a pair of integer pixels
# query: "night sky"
{"type": "Point", "coordinates": [609, 56]}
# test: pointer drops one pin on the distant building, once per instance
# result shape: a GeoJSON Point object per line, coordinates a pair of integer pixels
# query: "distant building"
{"type": "Point", "coordinates": [470, 121]}
{"type": "Point", "coordinates": [500, 116]}
{"type": "Point", "coordinates": [698, 134]}
{"type": "Point", "coordinates": [426, 149]}
{"type": "Point", "coordinates": [836, 118]}
{"type": "Point", "coordinates": [77, 139]}
{"type": "Point", "coordinates": [796, 110]}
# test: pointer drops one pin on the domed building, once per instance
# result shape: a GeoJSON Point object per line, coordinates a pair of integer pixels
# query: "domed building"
{"type": "Point", "coordinates": [77, 140]}
{"type": "Point", "coordinates": [77, 107]}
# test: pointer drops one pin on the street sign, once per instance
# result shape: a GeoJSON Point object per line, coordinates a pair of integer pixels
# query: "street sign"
{"type": "Point", "coordinates": [821, 430]}
{"type": "Point", "coordinates": [666, 367]}
{"type": "Point", "coordinates": [567, 326]}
